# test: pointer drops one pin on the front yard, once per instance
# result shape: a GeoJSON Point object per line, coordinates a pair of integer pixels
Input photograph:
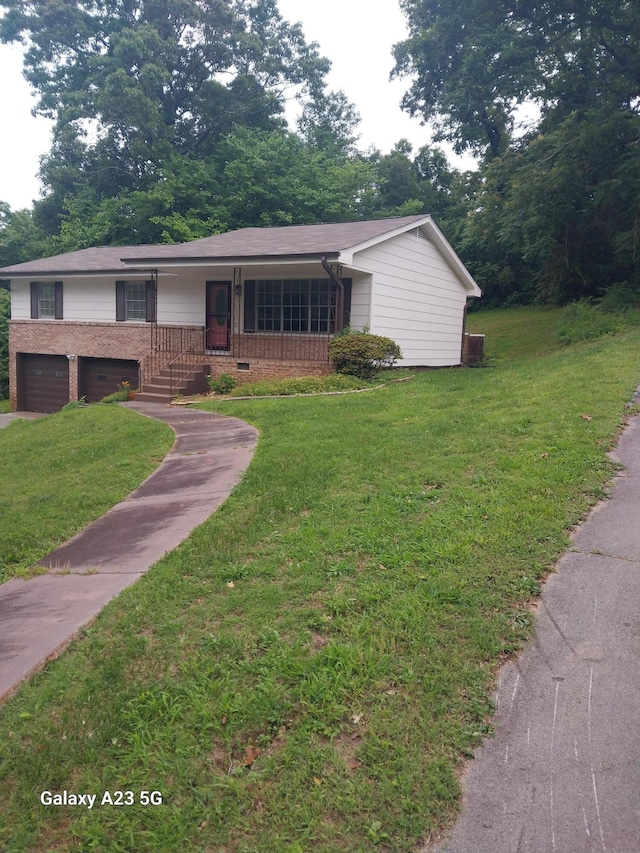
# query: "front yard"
{"type": "Point", "coordinates": [309, 670]}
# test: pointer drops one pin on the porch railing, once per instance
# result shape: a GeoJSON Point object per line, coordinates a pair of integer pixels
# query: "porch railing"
{"type": "Point", "coordinates": [187, 361]}
{"type": "Point", "coordinates": [168, 342]}
{"type": "Point", "coordinates": [180, 349]}
{"type": "Point", "coordinates": [283, 346]}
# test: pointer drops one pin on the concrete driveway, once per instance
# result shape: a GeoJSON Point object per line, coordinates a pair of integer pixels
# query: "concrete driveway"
{"type": "Point", "coordinates": [562, 773]}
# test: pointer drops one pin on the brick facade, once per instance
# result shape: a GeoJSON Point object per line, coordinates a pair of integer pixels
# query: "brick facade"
{"type": "Point", "coordinates": [265, 368]}
{"type": "Point", "coordinates": [260, 356]}
{"type": "Point", "coordinates": [61, 337]}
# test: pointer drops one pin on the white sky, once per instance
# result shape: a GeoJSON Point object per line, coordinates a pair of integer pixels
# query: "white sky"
{"type": "Point", "coordinates": [356, 35]}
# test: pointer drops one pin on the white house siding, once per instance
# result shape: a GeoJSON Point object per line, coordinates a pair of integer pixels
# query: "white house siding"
{"type": "Point", "coordinates": [181, 300]}
{"type": "Point", "coordinates": [20, 300]}
{"type": "Point", "coordinates": [417, 300]}
{"type": "Point", "coordinates": [360, 300]}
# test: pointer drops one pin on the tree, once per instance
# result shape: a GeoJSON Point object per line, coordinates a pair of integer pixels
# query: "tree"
{"type": "Point", "coordinates": [557, 210]}
{"type": "Point", "coordinates": [132, 83]}
{"type": "Point", "coordinates": [420, 183]}
{"type": "Point", "coordinates": [149, 71]}
{"type": "Point", "coordinates": [329, 122]}
{"type": "Point", "coordinates": [20, 237]}
{"type": "Point", "coordinates": [475, 62]}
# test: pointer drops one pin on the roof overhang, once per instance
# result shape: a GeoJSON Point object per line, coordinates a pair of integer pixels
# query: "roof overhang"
{"type": "Point", "coordinates": [235, 260]}
{"type": "Point", "coordinates": [58, 274]}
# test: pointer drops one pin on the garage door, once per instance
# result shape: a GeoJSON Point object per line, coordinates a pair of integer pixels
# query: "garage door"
{"type": "Point", "coordinates": [102, 376]}
{"type": "Point", "coordinates": [44, 381]}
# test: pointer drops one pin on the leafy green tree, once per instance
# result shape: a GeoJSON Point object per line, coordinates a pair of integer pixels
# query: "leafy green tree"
{"type": "Point", "coordinates": [20, 237]}
{"type": "Point", "coordinates": [473, 63]}
{"type": "Point", "coordinates": [131, 84]}
{"type": "Point", "coordinates": [420, 183]}
{"type": "Point", "coordinates": [149, 71]}
{"type": "Point", "coordinates": [277, 179]}
{"type": "Point", "coordinates": [556, 211]}
{"type": "Point", "coordinates": [329, 122]}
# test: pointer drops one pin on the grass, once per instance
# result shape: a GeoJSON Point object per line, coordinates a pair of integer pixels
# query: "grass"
{"type": "Point", "coordinates": [4, 407]}
{"type": "Point", "coordinates": [302, 385]}
{"type": "Point", "coordinates": [61, 472]}
{"type": "Point", "coordinates": [308, 670]}
{"type": "Point", "coordinates": [517, 332]}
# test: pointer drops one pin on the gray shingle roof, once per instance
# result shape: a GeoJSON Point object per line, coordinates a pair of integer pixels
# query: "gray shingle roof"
{"type": "Point", "coordinates": [103, 259]}
{"type": "Point", "coordinates": [285, 241]}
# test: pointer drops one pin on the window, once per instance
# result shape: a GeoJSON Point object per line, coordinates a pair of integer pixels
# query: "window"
{"type": "Point", "coordinates": [135, 300]}
{"type": "Point", "coordinates": [135, 295]}
{"type": "Point", "coordinates": [46, 300]}
{"type": "Point", "coordinates": [295, 305]}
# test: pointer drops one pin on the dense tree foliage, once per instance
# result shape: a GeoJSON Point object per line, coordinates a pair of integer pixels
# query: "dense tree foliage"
{"type": "Point", "coordinates": [130, 84]}
{"type": "Point", "coordinates": [556, 212]}
{"type": "Point", "coordinates": [169, 126]}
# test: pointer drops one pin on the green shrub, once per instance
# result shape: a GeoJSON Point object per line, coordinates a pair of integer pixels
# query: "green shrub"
{"type": "Point", "coordinates": [76, 404]}
{"type": "Point", "coordinates": [299, 385]}
{"type": "Point", "coordinates": [222, 384]}
{"type": "Point", "coordinates": [621, 296]}
{"type": "Point", "coordinates": [584, 321]}
{"type": "Point", "coordinates": [117, 397]}
{"type": "Point", "coordinates": [361, 354]}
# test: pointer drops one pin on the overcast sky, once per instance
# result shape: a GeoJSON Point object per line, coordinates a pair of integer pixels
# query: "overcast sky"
{"type": "Point", "coordinates": [356, 35]}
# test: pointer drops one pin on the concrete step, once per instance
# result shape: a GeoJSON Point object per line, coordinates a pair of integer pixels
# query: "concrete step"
{"type": "Point", "coordinates": [153, 397]}
{"type": "Point", "coordinates": [159, 388]}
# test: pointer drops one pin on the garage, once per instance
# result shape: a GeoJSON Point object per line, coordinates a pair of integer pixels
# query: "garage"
{"type": "Point", "coordinates": [99, 377]}
{"type": "Point", "coordinates": [43, 382]}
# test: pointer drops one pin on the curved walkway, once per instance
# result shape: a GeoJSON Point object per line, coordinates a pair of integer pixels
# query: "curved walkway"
{"type": "Point", "coordinates": [562, 773]}
{"type": "Point", "coordinates": [40, 615]}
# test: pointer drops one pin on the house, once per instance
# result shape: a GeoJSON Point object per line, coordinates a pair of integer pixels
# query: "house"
{"type": "Point", "coordinates": [253, 303]}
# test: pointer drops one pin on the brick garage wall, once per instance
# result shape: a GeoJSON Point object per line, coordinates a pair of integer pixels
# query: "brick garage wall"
{"type": "Point", "coordinates": [60, 337]}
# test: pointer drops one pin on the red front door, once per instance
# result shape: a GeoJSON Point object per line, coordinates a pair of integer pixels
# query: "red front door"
{"type": "Point", "coordinates": [218, 315]}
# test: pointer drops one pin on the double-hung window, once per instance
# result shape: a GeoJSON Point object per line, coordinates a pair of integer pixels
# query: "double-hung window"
{"type": "Point", "coordinates": [46, 300]}
{"type": "Point", "coordinates": [135, 300]}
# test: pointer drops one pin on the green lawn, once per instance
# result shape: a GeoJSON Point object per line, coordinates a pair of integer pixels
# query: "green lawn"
{"type": "Point", "coordinates": [308, 670]}
{"type": "Point", "coordinates": [61, 472]}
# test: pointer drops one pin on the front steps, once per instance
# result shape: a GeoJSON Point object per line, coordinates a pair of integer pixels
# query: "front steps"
{"type": "Point", "coordinates": [158, 389]}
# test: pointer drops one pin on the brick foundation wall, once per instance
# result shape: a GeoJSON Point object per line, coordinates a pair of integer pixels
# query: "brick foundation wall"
{"type": "Point", "coordinates": [268, 357]}
{"type": "Point", "coordinates": [289, 347]}
{"type": "Point", "coordinates": [60, 337]}
{"type": "Point", "coordinates": [265, 368]}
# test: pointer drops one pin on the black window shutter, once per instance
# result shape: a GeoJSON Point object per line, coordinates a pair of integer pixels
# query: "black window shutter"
{"type": "Point", "coordinates": [34, 300]}
{"type": "Point", "coordinates": [151, 301]}
{"type": "Point", "coordinates": [58, 300]}
{"type": "Point", "coordinates": [249, 306]}
{"type": "Point", "coordinates": [121, 308]}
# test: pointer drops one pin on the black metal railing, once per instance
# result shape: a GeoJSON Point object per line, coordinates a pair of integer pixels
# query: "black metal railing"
{"type": "Point", "coordinates": [283, 346]}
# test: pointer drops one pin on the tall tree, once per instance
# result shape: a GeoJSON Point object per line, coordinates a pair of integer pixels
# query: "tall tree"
{"type": "Point", "coordinates": [130, 83]}
{"type": "Point", "coordinates": [474, 62]}
{"type": "Point", "coordinates": [420, 183]}
{"type": "Point", "coordinates": [557, 210]}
